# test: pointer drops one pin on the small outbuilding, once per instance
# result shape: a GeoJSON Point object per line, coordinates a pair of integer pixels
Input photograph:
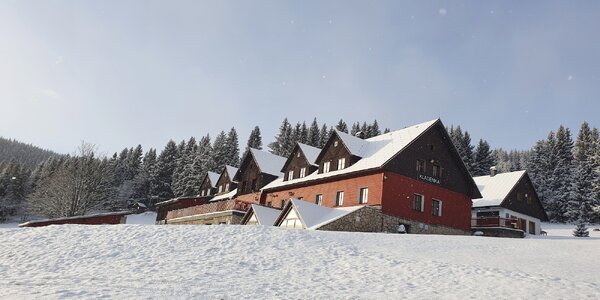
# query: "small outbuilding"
{"type": "Point", "coordinates": [261, 215]}
{"type": "Point", "coordinates": [110, 218]}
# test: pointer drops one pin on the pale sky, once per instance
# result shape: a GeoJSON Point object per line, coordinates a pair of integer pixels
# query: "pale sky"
{"type": "Point", "coordinates": [122, 73]}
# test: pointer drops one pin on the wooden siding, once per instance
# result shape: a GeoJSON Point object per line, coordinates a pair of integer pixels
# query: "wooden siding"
{"type": "Point", "coordinates": [434, 145]}
{"type": "Point", "coordinates": [331, 153]}
{"type": "Point", "coordinates": [520, 204]}
{"type": "Point", "coordinates": [206, 184]}
{"type": "Point", "coordinates": [295, 162]}
{"type": "Point", "coordinates": [224, 179]}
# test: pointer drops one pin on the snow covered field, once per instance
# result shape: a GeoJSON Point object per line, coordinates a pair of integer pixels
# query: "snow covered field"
{"type": "Point", "coordinates": [146, 261]}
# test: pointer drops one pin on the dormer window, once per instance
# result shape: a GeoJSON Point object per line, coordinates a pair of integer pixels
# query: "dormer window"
{"type": "Point", "coordinates": [291, 175]}
{"type": "Point", "coordinates": [326, 166]}
{"type": "Point", "coordinates": [341, 163]}
{"type": "Point", "coordinates": [302, 172]}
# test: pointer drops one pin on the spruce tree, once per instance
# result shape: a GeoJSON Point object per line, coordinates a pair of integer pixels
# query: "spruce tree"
{"type": "Point", "coordinates": [233, 148]}
{"type": "Point", "coordinates": [562, 174]}
{"type": "Point", "coordinates": [255, 139]}
{"type": "Point", "coordinates": [205, 155]}
{"type": "Point", "coordinates": [342, 126]}
{"type": "Point", "coordinates": [581, 207]}
{"type": "Point", "coordinates": [374, 129]}
{"type": "Point", "coordinates": [166, 164]}
{"type": "Point", "coordinates": [323, 136]}
{"type": "Point", "coordinates": [387, 130]}
{"type": "Point", "coordinates": [220, 152]}
{"type": "Point", "coordinates": [355, 128]}
{"type": "Point", "coordinates": [303, 136]}
{"type": "Point", "coordinates": [314, 134]}
{"type": "Point", "coordinates": [282, 140]}
{"type": "Point", "coordinates": [483, 160]}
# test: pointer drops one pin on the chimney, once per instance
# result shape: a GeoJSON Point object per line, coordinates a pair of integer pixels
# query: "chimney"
{"type": "Point", "coordinates": [493, 171]}
{"type": "Point", "coordinates": [360, 135]}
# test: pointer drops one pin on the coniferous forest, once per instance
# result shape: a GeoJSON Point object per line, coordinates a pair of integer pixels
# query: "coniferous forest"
{"type": "Point", "coordinates": [37, 182]}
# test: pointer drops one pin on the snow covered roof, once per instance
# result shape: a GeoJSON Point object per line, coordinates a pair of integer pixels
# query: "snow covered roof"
{"type": "Point", "coordinates": [265, 215]}
{"type": "Point", "coordinates": [311, 153]}
{"type": "Point", "coordinates": [267, 162]}
{"type": "Point", "coordinates": [314, 216]}
{"type": "Point", "coordinates": [224, 196]}
{"type": "Point", "coordinates": [231, 171]}
{"type": "Point", "coordinates": [355, 145]}
{"type": "Point", "coordinates": [213, 177]}
{"type": "Point", "coordinates": [495, 189]}
{"type": "Point", "coordinates": [375, 152]}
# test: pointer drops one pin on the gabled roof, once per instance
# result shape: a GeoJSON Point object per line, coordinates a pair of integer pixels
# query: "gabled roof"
{"type": "Point", "coordinates": [213, 177]}
{"type": "Point", "coordinates": [495, 189]}
{"type": "Point", "coordinates": [356, 146]}
{"type": "Point", "coordinates": [375, 152]}
{"type": "Point", "coordinates": [265, 215]}
{"type": "Point", "coordinates": [314, 216]}
{"type": "Point", "coordinates": [311, 153]}
{"type": "Point", "coordinates": [267, 162]}
{"type": "Point", "coordinates": [231, 171]}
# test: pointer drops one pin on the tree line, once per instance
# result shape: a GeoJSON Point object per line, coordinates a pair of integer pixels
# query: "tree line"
{"type": "Point", "coordinates": [565, 172]}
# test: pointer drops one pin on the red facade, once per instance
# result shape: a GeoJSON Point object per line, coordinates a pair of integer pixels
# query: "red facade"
{"type": "Point", "coordinates": [103, 219]}
{"type": "Point", "coordinates": [398, 196]}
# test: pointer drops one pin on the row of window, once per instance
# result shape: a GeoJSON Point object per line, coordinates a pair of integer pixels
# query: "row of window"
{"type": "Point", "coordinates": [301, 175]}
{"type": "Point", "coordinates": [363, 197]}
{"type": "Point", "coordinates": [436, 169]}
{"type": "Point", "coordinates": [419, 205]}
{"type": "Point", "coordinates": [524, 196]}
{"type": "Point", "coordinates": [341, 164]}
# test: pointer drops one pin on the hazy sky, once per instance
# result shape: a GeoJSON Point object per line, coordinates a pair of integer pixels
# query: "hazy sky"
{"type": "Point", "coordinates": [122, 73]}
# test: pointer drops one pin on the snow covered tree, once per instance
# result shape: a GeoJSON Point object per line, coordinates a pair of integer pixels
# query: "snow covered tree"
{"type": "Point", "coordinates": [314, 134]}
{"type": "Point", "coordinates": [387, 130]}
{"type": "Point", "coordinates": [541, 170]}
{"type": "Point", "coordinates": [562, 183]}
{"type": "Point", "coordinates": [303, 134]}
{"type": "Point", "coordinates": [233, 148]}
{"type": "Point", "coordinates": [205, 155]}
{"type": "Point", "coordinates": [283, 140]}
{"type": "Point", "coordinates": [355, 128]}
{"type": "Point", "coordinates": [81, 184]}
{"type": "Point", "coordinates": [13, 179]}
{"type": "Point", "coordinates": [373, 130]}
{"type": "Point", "coordinates": [323, 136]}
{"type": "Point", "coordinates": [462, 142]}
{"type": "Point", "coordinates": [581, 230]}
{"type": "Point", "coordinates": [255, 139]}
{"type": "Point", "coordinates": [220, 152]}
{"type": "Point", "coordinates": [166, 164]}
{"type": "Point", "coordinates": [581, 206]}
{"type": "Point", "coordinates": [483, 160]}
{"type": "Point", "coordinates": [342, 126]}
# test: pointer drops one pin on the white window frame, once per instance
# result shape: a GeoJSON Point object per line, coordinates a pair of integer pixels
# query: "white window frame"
{"type": "Point", "coordinates": [227, 187]}
{"type": "Point", "coordinates": [302, 172]}
{"type": "Point", "coordinates": [220, 188]}
{"type": "Point", "coordinates": [339, 198]}
{"type": "Point", "coordinates": [319, 199]}
{"type": "Point", "coordinates": [363, 195]}
{"type": "Point", "coordinates": [341, 163]}
{"type": "Point", "coordinates": [290, 174]}
{"type": "Point", "coordinates": [440, 208]}
{"type": "Point", "coordinates": [422, 202]}
{"type": "Point", "coordinates": [326, 166]}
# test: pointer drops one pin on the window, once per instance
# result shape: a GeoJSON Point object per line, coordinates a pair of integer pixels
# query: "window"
{"type": "Point", "coordinates": [207, 192]}
{"type": "Point", "coordinates": [227, 187]}
{"type": "Point", "coordinates": [220, 188]}
{"type": "Point", "coordinates": [270, 204]}
{"type": "Point", "coordinates": [341, 163]}
{"type": "Point", "coordinates": [420, 165]}
{"type": "Point", "coordinates": [298, 154]}
{"type": "Point", "coordinates": [519, 196]}
{"type": "Point", "coordinates": [319, 199]}
{"type": "Point", "coordinates": [335, 143]}
{"type": "Point", "coordinates": [437, 171]}
{"type": "Point", "coordinates": [418, 203]}
{"type": "Point", "coordinates": [291, 175]}
{"type": "Point", "coordinates": [363, 196]}
{"type": "Point", "coordinates": [529, 199]}
{"type": "Point", "coordinates": [282, 203]}
{"type": "Point", "coordinates": [326, 167]}
{"type": "Point", "coordinates": [339, 198]}
{"type": "Point", "coordinates": [436, 208]}
{"type": "Point", "coordinates": [302, 172]}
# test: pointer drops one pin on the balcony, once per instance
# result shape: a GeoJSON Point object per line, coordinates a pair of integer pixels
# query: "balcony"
{"type": "Point", "coordinates": [488, 222]}
{"type": "Point", "coordinates": [219, 206]}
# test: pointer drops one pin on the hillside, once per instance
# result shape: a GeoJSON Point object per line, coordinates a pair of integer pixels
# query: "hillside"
{"type": "Point", "coordinates": [255, 262]}
{"type": "Point", "coordinates": [25, 154]}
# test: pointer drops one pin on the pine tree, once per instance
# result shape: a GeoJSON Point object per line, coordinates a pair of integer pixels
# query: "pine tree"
{"type": "Point", "coordinates": [220, 152]}
{"type": "Point", "coordinates": [387, 130]}
{"type": "Point", "coordinates": [581, 230]}
{"type": "Point", "coordinates": [562, 174]}
{"type": "Point", "coordinates": [303, 136]}
{"type": "Point", "coordinates": [581, 206]}
{"type": "Point", "coordinates": [233, 148]}
{"type": "Point", "coordinates": [323, 136]}
{"type": "Point", "coordinates": [342, 126]}
{"type": "Point", "coordinates": [374, 129]}
{"type": "Point", "coordinates": [355, 128]}
{"type": "Point", "coordinates": [541, 170]}
{"type": "Point", "coordinates": [205, 154]}
{"type": "Point", "coordinates": [255, 139]}
{"type": "Point", "coordinates": [483, 160]}
{"type": "Point", "coordinates": [166, 163]}
{"type": "Point", "coordinates": [364, 129]}
{"type": "Point", "coordinates": [314, 134]}
{"type": "Point", "coordinates": [282, 140]}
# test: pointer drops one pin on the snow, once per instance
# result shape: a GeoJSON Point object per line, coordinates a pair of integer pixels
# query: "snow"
{"type": "Point", "coordinates": [267, 162]}
{"type": "Point", "coordinates": [265, 215]}
{"type": "Point", "coordinates": [260, 262]}
{"type": "Point", "coordinates": [213, 177]}
{"type": "Point", "coordinates": [495, 189]}
{"type": "Point", "coordinates": [314, 216]}
{"type": "Point", "coordinates": [356, 146]}
{"type": "Point", "coordinates": [224, 196]}
{"type": "Point", "coordinates": [375, 152]}
{"type": "Point", "coordinates": [77, 217]}
{"type": "Point", "coordinates": [311, 153]}
{"type": "Point", "coordinates": [231, 171]}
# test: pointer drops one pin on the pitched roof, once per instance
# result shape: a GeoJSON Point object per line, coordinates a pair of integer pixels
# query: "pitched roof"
{"type": "Point", "coordinates": [314, 216]}
{"type": "Point", "coordinates": [356, 146]}
{"type": "Point", "coordinates": [267, 162]}
{"type": "Point", "coordinates": [213, 177]}
{"type": "Point", "coordinates": [311, 153]}
{"type": "Point", "coordinates": [231, 171]}
{"type": "Point", "coordinates": [265, 215]}
{"type": "Point", "coordinates": [495, 189]}
{"type": "Point", "coordinates": [375, 152]}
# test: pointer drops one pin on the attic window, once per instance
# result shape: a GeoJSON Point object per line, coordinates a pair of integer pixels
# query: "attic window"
{"type": "Point", "coordinates": [298, 154]}
{"type": "Point", "coordinates": [335, 143]}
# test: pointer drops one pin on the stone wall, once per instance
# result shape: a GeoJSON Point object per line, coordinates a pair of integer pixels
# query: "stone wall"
{"type": "Point", "coordinates": [371, 219]}
{"type": "Point", "coordinates": [226, 217]}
